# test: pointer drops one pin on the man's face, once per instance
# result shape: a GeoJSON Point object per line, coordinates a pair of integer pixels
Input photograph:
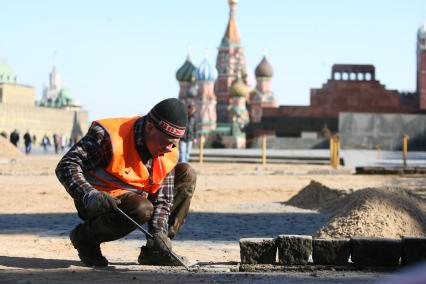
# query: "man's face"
{"type": "Point", "coordinates": [191, 109]}
{"type": "Point", "coordinates": [157, 142]}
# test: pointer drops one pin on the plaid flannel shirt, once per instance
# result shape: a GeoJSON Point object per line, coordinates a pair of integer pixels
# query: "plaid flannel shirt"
{"type": "Point", "coordinates": [95, 150]}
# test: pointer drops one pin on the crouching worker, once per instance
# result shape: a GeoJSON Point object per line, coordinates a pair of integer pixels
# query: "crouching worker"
{"type": "Point", "coordinates": [131, 163]}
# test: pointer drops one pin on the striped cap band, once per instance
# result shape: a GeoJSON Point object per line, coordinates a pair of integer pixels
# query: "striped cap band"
{"type": "Point", "coordinates": [166, 126]}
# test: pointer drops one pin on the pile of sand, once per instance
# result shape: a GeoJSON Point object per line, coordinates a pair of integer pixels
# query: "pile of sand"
{"type": "Point", "coordinates": [377, 212]}
{"type": "Point", "coordinates": [317, 196]}
{"type": "Point", "coordinates": [370, 212]}
{"type": "Point", "coordinates": [8, 150]}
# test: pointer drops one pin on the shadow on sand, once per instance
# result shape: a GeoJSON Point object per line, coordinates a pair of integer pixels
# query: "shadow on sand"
{"type": "Point", "coordinates": [198, 226]}
{"type": "Point", "coordinates": [37, 263]}
{"type": "Point", "coordinates": [39, 270]}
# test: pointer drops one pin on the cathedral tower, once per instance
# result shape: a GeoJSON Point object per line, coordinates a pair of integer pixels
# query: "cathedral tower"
{"type": "Point", "coordinates": [262, 96]}
{"type": "Point", "coordinates": [185, 77]}
{"type": "Point", "coordinates": [230, 61]}
{"type": "Point", "coordinates": [205, 100]}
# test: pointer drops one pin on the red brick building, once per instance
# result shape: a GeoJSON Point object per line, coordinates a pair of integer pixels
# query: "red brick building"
{"type": "Point", "coordinates": [351, 88]}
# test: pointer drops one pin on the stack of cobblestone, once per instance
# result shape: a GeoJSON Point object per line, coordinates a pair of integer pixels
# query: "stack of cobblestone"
{"type": "Point", "coordinates": [357, 251]}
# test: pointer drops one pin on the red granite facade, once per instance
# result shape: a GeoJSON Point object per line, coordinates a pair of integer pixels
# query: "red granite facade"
{"type": "Point", "coordinates": [352, 88]}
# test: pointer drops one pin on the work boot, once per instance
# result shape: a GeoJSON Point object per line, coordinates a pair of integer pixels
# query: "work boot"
{"type": "Point", "coordinates": [149, 256]}
{"type": "Point", "coordinates": [88, 252]}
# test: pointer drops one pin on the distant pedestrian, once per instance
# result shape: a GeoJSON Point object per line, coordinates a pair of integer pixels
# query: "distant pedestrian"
{"type": "Point", "coordinates": [325, 132]}
{"type": "Point", "coordinates": [45, 142]}
{"type": "Point", "coordinates": [14, 137]}
{"type": "Point", "coordinates": [63, 142]}
{"type": "Point", "coordinates": [27, 142]}
{"type": "Point", "coordinates": [185, 143]}
{"type": "Point", "coordinates": [34, 139]}
{"type": "Point", "coordinates": [56, 142]}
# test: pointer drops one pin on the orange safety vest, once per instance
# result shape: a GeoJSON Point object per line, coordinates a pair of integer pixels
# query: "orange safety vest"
{"type": "Point", "coordinates": [126, 171]}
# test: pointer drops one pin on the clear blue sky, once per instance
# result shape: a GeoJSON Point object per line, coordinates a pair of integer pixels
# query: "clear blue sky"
{"type": "Point", "coordinates": [119, 58]}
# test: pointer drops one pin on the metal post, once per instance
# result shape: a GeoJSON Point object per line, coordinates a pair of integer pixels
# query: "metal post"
{"type": "Point", "coordinates": [337, 152]}
{"type": "Point", "coordinates": [331, 150]}
{"type": "Point", "coordinates": [379, 154]}
{"type": "Point", "coordinates": [264, 149]}
{"type": "Point", "coordinates": [201, 149]}
{"type": "Point", "coordinates": [405, 138]}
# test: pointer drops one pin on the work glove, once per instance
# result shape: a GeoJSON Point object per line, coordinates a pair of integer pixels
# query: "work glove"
{"type": "Point", "coordinates": [162, 243]}
{"type": "Point", "coordinates": [98, 202]}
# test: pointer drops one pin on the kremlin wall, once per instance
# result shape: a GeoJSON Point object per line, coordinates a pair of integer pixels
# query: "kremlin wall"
{"type": "Point", "coordinates": [56, 113]}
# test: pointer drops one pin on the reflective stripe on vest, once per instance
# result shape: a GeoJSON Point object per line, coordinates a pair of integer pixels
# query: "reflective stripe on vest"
{"type": "Point", "coordinates": [103, 181]}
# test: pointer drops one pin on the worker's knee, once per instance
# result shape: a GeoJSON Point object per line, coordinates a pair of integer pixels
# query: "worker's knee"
{"type": "Point", "coordinates": [185, 178]}
{"type": "Point", "coordinates": [144, 211]}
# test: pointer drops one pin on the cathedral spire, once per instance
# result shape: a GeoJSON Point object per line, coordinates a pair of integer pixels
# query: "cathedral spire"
{"type": "Point", "coordinates": [232, 35]}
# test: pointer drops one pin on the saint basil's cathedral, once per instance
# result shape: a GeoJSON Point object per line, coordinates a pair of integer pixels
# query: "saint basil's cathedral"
{"type": "Point", "coordinates": [224, 102]}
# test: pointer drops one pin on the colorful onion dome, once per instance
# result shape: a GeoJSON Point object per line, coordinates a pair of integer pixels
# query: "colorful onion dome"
{"type": "Point", "coordinates": [186, 72]}
{"type": "Point", "coordinates": [239, 88]}
{"type": "Point", "coordinates": [205, 72]}
{"type": "Point", "coordinates": [264, 69]}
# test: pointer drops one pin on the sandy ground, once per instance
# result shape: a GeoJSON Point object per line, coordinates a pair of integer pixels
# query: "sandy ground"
{"type": "Point", "coordinates": [231, 201]}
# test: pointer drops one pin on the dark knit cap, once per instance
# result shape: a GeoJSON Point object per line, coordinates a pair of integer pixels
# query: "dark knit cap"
{"type": "Point", "coordinates": [170, 116]}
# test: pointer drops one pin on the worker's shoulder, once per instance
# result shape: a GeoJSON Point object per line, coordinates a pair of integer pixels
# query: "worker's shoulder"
{"type": "Point", "coordinates": [96, 131]}
{"type": "Point", "coordinates": [116, 120]}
